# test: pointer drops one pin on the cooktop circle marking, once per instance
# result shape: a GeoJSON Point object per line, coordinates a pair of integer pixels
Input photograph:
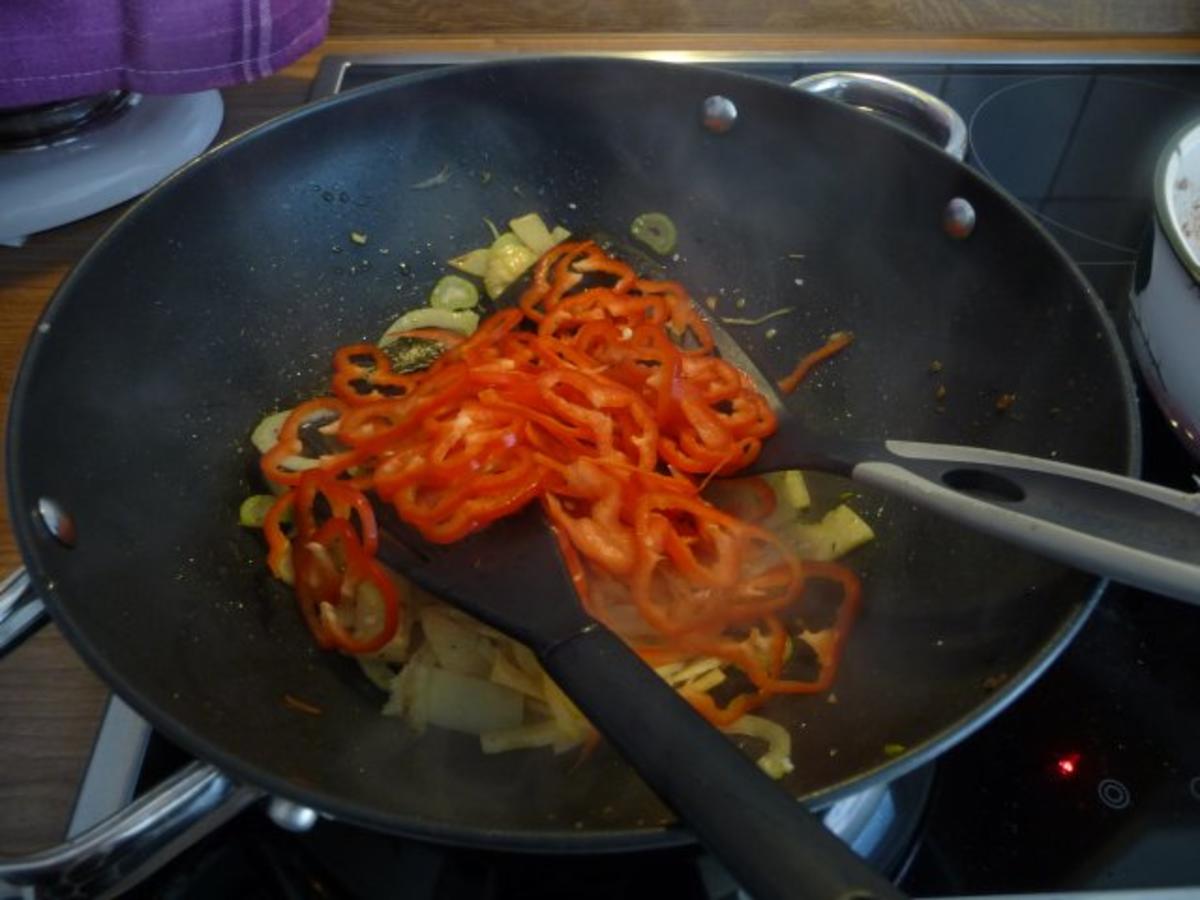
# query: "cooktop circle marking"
{"type": "Point", "coordinates": [1113, 794]}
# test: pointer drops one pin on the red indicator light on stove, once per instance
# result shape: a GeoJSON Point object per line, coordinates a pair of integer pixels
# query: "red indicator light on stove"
{"type": "Point", "coordinates": [1068, 765]}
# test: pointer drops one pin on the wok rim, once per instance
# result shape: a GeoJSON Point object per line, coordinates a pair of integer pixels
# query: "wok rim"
{"type": "Point", "coordinates": [559, 840]}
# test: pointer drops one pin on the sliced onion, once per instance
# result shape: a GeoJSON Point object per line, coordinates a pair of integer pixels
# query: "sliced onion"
{"type": "Point", "coordinates": [457, 648]}
{"type": "Point", "coordinates": [532, 232]}
{"type": "Point", "coordinates": [524, 737]}
{"type": "Point", "coordinates": [777, 761]}
{"type": "Point", "coordinates": [464, 321]}
{"type": "Point", "coordinates": [472, 705]}
{"type": "Point", "coordinates": [454, 293]}
{"type": "Point", "coordinates": [266, 433]}
{"type": "Point", "coordinates": [473, 263]}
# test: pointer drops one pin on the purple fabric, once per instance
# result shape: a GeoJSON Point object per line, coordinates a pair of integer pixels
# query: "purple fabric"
{"type": "Point", "coordinates": [55, 49]}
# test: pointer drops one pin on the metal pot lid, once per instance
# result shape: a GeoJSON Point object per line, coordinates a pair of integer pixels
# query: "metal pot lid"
{"type": "Point", "coordinates": [1177, 196]}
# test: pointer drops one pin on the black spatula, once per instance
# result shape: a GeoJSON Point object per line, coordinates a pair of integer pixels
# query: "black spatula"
{"type": "Point", "coordinates": [510, 575]}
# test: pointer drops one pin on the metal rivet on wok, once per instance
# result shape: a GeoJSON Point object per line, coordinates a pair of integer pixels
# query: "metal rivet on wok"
{"type": "Point", "coordinates": [291, 816]}
{"type": "Point", "coordinates": [718, 114]}
{"type": "Point", "coordinates": [958, 219]}
{"type": "Point", "coordinates": [57, 521]}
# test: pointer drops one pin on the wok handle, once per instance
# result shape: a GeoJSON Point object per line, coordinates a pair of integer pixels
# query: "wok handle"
{"type": "Point", "coordinates": [114, 855]}
{"type": "Point", "coordinates": [1135, 532]}
{"type": "Point", "coordinates": [21, 610]}
{"type": "Point", "coordinates": [771, 844]}
{"type": "Point", "coordinates": [931, 116]}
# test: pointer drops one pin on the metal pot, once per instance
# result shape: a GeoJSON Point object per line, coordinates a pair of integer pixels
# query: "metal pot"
{"type": "Point", "coordinates": [1165, 306]}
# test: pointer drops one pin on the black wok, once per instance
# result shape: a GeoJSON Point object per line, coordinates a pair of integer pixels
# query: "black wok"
{"type": "Point", "coordinates": [223, 294]}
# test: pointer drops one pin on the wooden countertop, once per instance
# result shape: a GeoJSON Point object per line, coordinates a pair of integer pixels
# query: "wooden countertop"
{"type": "Point", "coordinates": [50, 702]}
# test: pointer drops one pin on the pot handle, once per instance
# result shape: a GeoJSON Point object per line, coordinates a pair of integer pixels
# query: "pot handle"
{"type": "Point", "coordinates": [115, 854]}
{"type": "Point", "coordinates": [919, 110]}
{"type": "Point", "coordinates": [21, 610]}
{"type": "Point", "coordinates": [111, 857]}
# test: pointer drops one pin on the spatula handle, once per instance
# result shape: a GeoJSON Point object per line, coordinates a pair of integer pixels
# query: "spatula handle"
{"type": "Point", "coordinates": [1141, 534]}
{"type": "Point", "coordinates": [769, 841]}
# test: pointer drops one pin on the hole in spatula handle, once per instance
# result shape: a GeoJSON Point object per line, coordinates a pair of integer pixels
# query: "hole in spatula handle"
{"type": "Point", "coordinates": [984, 485]}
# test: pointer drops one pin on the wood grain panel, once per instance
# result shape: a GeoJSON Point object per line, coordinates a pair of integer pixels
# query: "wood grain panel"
{"type": "Point", "coordinates": [996, 17]}
{"type": "Point", "coordinates": [50, 703]}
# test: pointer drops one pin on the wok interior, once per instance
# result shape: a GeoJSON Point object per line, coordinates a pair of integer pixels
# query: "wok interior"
{"type": "Point", "coordinates": [224, 294]}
